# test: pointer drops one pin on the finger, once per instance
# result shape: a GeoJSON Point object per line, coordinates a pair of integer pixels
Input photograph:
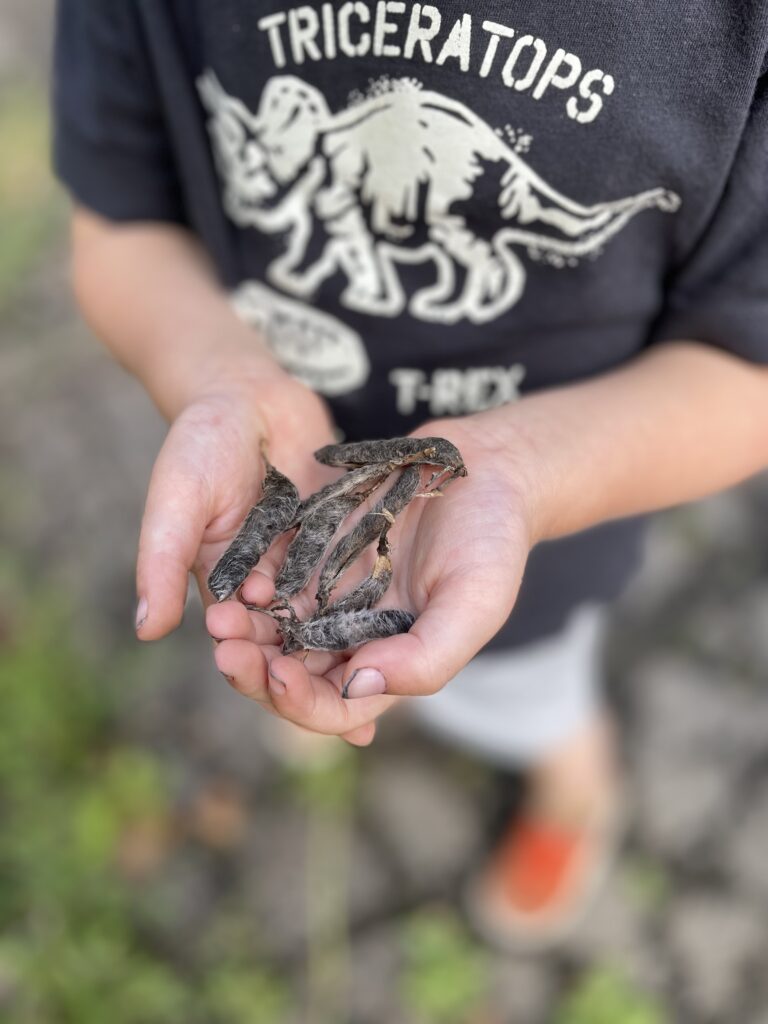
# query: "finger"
{"type": "Point", "coordinates": [316, 702]}
{"type": "Point", "coordinates": [460, 618]}
{"type": "Point", "coordinates": [323, 663]}
{"type": "Point", "coordinates": [362, 737]}
{"type": "Point", "coordinates": [259, 588]}
{"type": "Point", "coordinates": [174, 520]}
{"type": "Point", "coordinates": [231, 620]}
{"type": "Point", "coordinates": [245, 667]}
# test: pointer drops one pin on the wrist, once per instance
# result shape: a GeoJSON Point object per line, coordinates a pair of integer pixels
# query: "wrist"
{"type": "Point", "coordinates": [246, 371]}
{"type": "Point", "coordinates": [257, 398]}
{"type": "Point", "coordinates": [513, 438]}
{"type": "Point", "coordinates": [236, 364]}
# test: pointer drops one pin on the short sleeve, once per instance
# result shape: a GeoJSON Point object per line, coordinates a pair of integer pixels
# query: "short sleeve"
{"type": "Point", "coordinates": [110, 144]}
{"type": "Point", "coordinates": [720, 295]}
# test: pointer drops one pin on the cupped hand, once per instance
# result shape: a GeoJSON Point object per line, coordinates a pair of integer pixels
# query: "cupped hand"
{"type": "Point", "coordinates": [207, 476]}
{"type": "Point", "coordinates": [458, 562]}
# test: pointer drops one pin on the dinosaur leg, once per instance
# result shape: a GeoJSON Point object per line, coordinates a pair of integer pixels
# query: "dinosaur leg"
{"type": "Point", "coordinates": [495, 277]}
{"type": "Point", "coordinates": [373, 286]}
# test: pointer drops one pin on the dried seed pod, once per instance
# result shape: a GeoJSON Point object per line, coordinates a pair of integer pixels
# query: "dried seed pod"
{"type": "Point", "coordinates": [307, 548]}
{"type": "Point", "coordinates": [274, 514]}
{"type": "Point", "coordinates": [368, 477]}
{"type": "Point", "coordinates": [373, 587]}
{"type": "Point", "coordinates": [370, 527]}
{"type": "Point", "coordinates": [398, 451]}
{"type": "Point", "coordinates": [342, 631]}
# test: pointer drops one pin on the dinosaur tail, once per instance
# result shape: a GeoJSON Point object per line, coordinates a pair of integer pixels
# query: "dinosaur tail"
{"type": "Point", "coordinates": [548, 221]}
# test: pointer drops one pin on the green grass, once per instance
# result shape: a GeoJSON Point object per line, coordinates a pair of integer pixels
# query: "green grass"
{"type": "Point", "coordinates": [604, 996]}
{"type": "Point", "coordinates": [88, 825]}
{"type": "Point", "coordinates": [31, 208]}
{"type": "Point", "coordinates": [445, 980]}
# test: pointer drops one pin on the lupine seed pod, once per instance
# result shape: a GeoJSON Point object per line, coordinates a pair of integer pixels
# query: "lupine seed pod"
{"type": "Point", "coordinates": [273, 514]}
{"type": "Point", "coordinates": [367, 477]}
{"type": "Point", "coordinates": [306, 550]}
{"type": "Point", "coordinates": [342, 631]}
{"type": "Point", "coordinates": [397, 451]}
{"type": "Point", "coordinates": [371, 590]}
{"type": "Point", "coordinates": [351, 620]}
{"type": "Point", "coordinates": [368, 529]}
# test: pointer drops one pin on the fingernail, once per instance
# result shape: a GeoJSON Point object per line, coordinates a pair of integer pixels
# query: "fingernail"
{"type": "Point", "coordinates": [365, 682]}
{"type": "Point", "coordinates": [276, 684]}
{"type": "Point", "coordinates": [141, 612]}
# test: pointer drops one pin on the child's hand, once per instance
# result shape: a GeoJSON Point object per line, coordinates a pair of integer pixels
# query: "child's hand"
{"type": "Point", "coordinates": [458, 561]}
{"type": "Point", "coordinates": [150, 292]}
{"type": "Point", "coordinates": [207, 476]}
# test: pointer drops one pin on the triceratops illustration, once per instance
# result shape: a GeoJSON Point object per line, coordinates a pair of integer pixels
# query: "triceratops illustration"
{"type": "Point", "coordinates": [389, 181]}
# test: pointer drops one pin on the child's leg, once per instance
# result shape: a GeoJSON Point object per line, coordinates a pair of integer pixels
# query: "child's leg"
{"type": "Point", "coordinates": [539, 708]}
{"type": "Point", "coordinates": [518, 707]}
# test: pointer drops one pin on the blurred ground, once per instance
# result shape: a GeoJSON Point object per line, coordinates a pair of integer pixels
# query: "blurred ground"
{"type": "Point", "coordinates": [155, 861]}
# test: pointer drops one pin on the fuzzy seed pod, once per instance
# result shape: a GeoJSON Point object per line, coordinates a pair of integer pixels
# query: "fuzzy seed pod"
{"type": "Point", "coordinates": [306, 550]}
{"type": "Point", "coordinates": [366, 477]}
{"type": "Point", "coordinates": [267, 520]}
{"type": "Point", "coordinates": [342, 631]}
{"type": "Point", "coordinates": [398, 451]}
{"type": "Point", "coordinates": [373, 587]}
{"type": "Point", "coordinates": [369, 528]}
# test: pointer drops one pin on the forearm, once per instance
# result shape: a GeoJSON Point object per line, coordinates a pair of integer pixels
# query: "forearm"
{"type": "Point", "coordinates": [149, 293]}
{"type": "Point", "coordinates": [682, 421]}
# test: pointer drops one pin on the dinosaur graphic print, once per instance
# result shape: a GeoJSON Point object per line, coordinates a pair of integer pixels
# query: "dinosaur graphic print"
{"type": "Point", "coordinates": [386, 182]}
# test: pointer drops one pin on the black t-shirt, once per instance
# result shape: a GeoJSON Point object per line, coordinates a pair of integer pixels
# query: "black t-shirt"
{"type": "Point", "coordinates": [433, 209]}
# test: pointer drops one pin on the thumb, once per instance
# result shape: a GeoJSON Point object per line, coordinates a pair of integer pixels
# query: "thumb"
{"type": "Point", "coordinates": [458, 621]}
{"type": "Point", "coordinates": [175, 517]}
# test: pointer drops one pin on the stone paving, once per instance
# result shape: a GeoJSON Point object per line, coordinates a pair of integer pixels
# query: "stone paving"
{"type": "Point", "coordinates": [684, 915]}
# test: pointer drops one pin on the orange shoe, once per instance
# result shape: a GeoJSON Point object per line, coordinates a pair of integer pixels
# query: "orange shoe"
{"type": "Point", "coordinates": [540, 879]}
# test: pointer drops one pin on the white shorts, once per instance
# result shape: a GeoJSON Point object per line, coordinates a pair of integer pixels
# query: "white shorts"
{"type": "Point", "coordinates": [513, 707]}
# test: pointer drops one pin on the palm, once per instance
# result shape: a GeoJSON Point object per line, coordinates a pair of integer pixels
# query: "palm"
{"type": "Point", "coordinates": [219, 440]}
{"type": "Point", "coordinates": [471, 538]}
